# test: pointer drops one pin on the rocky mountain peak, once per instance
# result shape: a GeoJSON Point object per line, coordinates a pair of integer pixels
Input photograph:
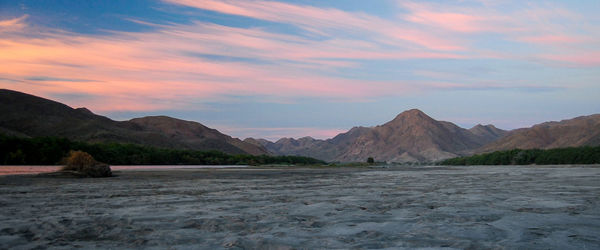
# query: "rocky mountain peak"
{"type": "Point", "coordinates": [413, 115]}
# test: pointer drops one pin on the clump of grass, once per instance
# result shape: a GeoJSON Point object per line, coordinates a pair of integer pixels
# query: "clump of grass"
{"type": "Point", "coordinates": [85, 165]}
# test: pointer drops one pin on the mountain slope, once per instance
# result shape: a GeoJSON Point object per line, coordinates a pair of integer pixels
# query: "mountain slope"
{"type": "Point", "coordinates": [327, 150]}
{"type": "Point", "coordinates": [195, 135]}
{"type": "Point", "coordinates": [34, 116]}
{"type": "Point", "coordinates": [580, 131]}
{"type": "Point", "coordinates": [411, 136]}
{"type": "Point", "coordinates": [487, 133]}
{"type": "Point", "coordinates": [28, 115]}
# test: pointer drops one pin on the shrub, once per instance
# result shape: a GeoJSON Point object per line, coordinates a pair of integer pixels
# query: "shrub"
{"type": "Point", "coordinates": [580, 155]}
{"type": "Point", "coordinates": [84, 164]}
{"type": "Point", "coordinates": [370, 160]}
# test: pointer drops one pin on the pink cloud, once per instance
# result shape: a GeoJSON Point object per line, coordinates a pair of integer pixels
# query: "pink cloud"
{"type": "Point", "coordinates": [426, 26]}
{"type": "Point", "coordinates": [426, 40]}
{"type": "Point", "coordinates": [542, 24]}
{"type": "Point", "coordinates": [324, 21]}
{"type": "Point", "coordinates": [14, 24]}
{"type": "Point", "coordinates": [305, 16]}
{"type": "Point", "coordinates": [134, 66]}
{"type": "Point", "coordinates": [555, 39]}
{"type": "Point", "coordinates": [148, 70]}
{"type": "Point", "coordinates": [550, 27]}
{"type": "Point", "coordinates": [456, 21]}
{"type": "Point", "coordinates": [585, 59]}
{"type": "Point", "coordinates": [451, 21]}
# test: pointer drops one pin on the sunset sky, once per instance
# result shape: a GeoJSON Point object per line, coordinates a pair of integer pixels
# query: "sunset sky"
{"type": "Point", "coordinates": [272, 69]}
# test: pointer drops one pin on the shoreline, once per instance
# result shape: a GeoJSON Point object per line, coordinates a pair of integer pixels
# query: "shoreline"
{"type": "Point", "coordinates": [35, 169]}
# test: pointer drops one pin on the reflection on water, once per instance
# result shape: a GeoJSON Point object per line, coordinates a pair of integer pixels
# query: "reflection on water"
{"type": "Point", "coordinates": [8, 170]}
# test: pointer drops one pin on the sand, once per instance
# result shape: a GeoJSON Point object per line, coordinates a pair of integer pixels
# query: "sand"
{"type": "Point", "coordinates": [422, 207]}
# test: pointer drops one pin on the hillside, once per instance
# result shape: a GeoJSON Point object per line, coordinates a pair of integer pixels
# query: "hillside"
{"type": "Point", "coordinates": [31, 116]}
{"type": "Point", "coordinates": [576, 132]}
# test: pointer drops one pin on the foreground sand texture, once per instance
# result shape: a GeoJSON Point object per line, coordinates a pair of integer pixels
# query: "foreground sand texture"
{"type": "Point", "coordinates": [449, 207]}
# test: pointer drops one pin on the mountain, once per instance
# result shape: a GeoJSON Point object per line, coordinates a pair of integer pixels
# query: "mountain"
{"type": "Point", "coordinates": [327, 150]}
{"type": "Point", "coordinates": [580, 131]}
{"type": "Point", "coordinates": [411, 136]}
{"type": "Point", "coordinates": [488, 133]}
{"type": "Point", "coordinates": [28, 115]}
{"type": "Point", "coordinates": [195, 135]}
{"type": "Point", "coordinates": [414, 136]}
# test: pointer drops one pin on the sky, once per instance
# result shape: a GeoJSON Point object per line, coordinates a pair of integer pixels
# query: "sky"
{"type": "Point", "coordinates": [273, 69]}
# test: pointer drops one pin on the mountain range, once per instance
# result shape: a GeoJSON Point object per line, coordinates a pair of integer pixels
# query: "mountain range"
{"type": "Point", "coordinates": [412, 136]}
{"type": "Point", "coordinates": [415, 137]}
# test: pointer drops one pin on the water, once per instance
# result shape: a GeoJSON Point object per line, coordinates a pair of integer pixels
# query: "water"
{"type": "Point", "coordinates": [449, 207]}
{"type": "Point", "coordinates": [11, 170]}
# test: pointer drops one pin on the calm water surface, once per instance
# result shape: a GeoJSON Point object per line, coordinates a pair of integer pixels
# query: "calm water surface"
{"type": "Point", "coordinates": [8, 170]}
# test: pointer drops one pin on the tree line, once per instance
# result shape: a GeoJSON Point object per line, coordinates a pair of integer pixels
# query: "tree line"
{"type": "Point", "coordinates": [52, 150]}
{"type": "Point", "coordinates": [572, 155]}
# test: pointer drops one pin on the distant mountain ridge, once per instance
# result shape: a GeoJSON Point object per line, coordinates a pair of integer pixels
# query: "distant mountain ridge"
{"type": "Point", "coordinates": [415, 137]}
{"type": "Point", "coordinates": [488, 133]}
{"type": "Point", "coordinates": [576, 132]}
{"type": "Point", "coordinates": [28, 115]}
{"type": "Point", "coordinates": [410, 136]}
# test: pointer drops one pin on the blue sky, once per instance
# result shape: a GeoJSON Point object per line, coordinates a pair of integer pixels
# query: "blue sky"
{"type": "Point", "coordinates": [275, 69]}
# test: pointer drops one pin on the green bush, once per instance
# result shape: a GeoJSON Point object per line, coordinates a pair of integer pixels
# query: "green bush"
{"type": "Point", "coordinates": [579, 155]}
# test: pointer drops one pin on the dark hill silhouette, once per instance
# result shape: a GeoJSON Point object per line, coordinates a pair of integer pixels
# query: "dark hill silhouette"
{"type": "Point", "coordinates": [28, 115]}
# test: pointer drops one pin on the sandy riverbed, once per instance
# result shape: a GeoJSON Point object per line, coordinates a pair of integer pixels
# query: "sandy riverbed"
{"type": "Point", "coordinates": [439, 207]}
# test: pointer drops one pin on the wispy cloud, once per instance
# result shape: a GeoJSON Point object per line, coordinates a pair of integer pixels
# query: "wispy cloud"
{"type": "Point", "coordinates": [330, 22]}
{"type": "Point", "coordinates": [162, 64]}
{"type": "Point", "coordinates": [555, 39]}
{"type": "Point", "coordinates": [14, 24]}
{"type": "Point", "coordinates": [556, 30]}
{"type": "Point", "coordinates": [201, 60]}
{"type": "Point", "coordinates": [55, 79]}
